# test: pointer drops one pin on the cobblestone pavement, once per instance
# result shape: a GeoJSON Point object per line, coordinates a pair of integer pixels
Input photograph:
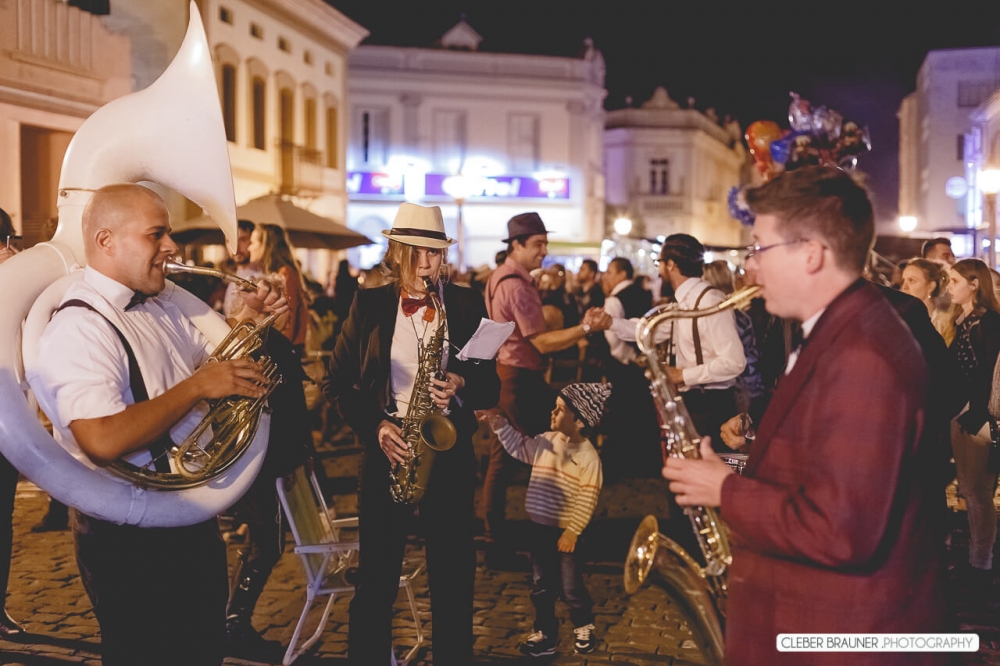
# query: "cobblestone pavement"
{"type": "Point", "coordinates": [45, 592]}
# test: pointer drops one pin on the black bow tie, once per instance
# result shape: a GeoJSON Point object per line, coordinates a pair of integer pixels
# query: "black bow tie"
{"type": "Point", "coordinates": [137, 299]}
{"type": "Point", "coordinates": [798, 339]}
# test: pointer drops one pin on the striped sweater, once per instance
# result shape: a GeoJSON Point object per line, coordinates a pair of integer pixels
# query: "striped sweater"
{"type": "Point", "coordinates": [565, 478]}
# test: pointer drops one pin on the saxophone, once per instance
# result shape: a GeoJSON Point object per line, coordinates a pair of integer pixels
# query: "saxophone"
{"type": "Point", "coordinates": [699, 591]}
{"type": "Point", "coordinates": [425, 428]}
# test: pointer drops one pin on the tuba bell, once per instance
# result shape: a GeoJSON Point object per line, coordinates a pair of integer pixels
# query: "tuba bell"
{"type": "Point", "coordinates": [699, 591]}
{"type": "Point", "coordinates": [171, 133]}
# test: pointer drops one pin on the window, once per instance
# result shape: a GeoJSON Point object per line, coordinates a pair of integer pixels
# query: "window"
{"type": "Point", "coordinates": [332, 134]}
{"type": "Point", "coordinates": [659, 176]}
{"type": "Point", "coordinates": [284, 45]}
{"type": "Point", "coordinates": [960, 155]}
{"type": "Point", "coordinates": [225, 15]}
{"type": "Point", "coordinates": [256, 31]}
{"type": "Point", "coordinates": [310, 121]}
{"type": "Point", "coordinates": [973, 93]}
{"type": "Point", "coordinates": [372, 127]}
{"type": "Point", "coordinates": [259, 89]}
{"type": "Point", "coordinates": [449, 139]}
{"type": "Point", "coordinates": [328, 69]}
{"type": "Point", "coordinates": [307, 57]}
{"type": "Point", "coordinates": [522, 142]}
{"type": "Point", "coordinates": [229, 101]}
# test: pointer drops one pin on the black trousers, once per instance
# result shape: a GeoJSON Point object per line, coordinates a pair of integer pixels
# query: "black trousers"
{"type": "Point", "coordinates": [159, 593]}
{"type": "Point", "coordinates": [632, 443]}
{"type": "Point", "coordinates": [709, 409]}
{"type": "Point", "coordinates": [446, 521]}
{"type": "Point", "coordinates": [8, 488]}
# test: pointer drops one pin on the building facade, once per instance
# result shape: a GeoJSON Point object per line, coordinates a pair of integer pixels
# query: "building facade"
{"type": "Point", "coordinates": [669, 170]}
{"type": "Point", "coordinates": [57, 66]}
{"type": "Point", "coordinates": [934, 122]}
{"type": "Point", "coordinates": [502, 133]}
{"type": "Point", "coordinates": [982, 152]}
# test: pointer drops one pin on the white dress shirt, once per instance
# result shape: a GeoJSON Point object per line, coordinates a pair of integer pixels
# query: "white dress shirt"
{"type": "Point", "coordinates": [722, 351]}
{"type": "Point", "coordinates": [621, 350]}
{"type": "Point", "coordinates": [82, 368]}
{"type": "Point", "coordinates": [405, 354]}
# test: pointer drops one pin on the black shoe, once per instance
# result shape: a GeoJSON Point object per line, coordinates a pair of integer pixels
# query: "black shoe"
{"type": "Point", "coordinates": [538, 645]}
{"type": "Point", "coordinates": [243, 641]}
{"type": "Point", "coordinates": [9, 629]}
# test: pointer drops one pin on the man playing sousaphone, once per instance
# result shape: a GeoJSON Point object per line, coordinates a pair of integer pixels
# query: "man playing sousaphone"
{"type": "Point", "coordinates": [125, 370]}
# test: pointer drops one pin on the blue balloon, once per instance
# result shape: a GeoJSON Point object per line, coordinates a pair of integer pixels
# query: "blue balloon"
{"type": "Point", "coordinates": [782, 148]}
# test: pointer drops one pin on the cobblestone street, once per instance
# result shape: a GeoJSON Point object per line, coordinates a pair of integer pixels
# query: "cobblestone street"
{"type": "Point", "coordinates": [46, 593]}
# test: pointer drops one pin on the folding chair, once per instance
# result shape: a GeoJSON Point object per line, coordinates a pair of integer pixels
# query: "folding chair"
{"type": "Point", "coordinates": [328, 559]}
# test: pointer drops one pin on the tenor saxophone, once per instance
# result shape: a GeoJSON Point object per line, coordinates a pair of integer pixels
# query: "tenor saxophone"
{"type": "Point", "coordinates": [700, 591]}
{"type": "Point", "coordinates": [425, 428]}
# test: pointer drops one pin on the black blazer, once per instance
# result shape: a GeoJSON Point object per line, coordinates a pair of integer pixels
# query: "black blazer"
{"type": "Point", "coordinates": [359, 370]}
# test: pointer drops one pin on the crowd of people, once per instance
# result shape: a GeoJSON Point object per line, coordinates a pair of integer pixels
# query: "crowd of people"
{"type": "Point", "coordinates": [848, 401]}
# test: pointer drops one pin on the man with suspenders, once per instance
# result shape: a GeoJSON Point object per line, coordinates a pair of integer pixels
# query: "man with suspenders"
{"type": "Point", "coordinates": [525, 398]}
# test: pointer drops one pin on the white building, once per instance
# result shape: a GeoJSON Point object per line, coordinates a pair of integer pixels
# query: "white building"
{"type": "Point", "coordinates": [283, 86]}
{"type": "Point", "coordinates": [524, 131]}
{"type": "Point", "coordinates": [982, 152]}
{"type": "Point", "coordinates": [57, 66]}
{"type": "Point", "coordinates": [934, 122]}
{"type": "Point", "coordinates": [669, 169]}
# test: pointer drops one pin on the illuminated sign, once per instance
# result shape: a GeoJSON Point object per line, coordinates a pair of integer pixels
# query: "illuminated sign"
{"type": "Point", "coordinates": [380, 184]}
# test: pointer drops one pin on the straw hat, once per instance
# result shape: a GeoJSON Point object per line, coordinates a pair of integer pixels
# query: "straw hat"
{"type": "Point", "coordinates": [422, 226]}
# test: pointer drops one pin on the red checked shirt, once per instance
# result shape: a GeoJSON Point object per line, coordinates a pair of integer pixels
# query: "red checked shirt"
{"type": "Point", "coordinates": [516, 299]}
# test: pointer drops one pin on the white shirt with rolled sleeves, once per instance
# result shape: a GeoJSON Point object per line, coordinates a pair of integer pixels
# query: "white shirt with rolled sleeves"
{"type": "Point", "coordinates": [621, 350]}
{"type": "Point", "coordinates": [82, 367]}
{"type": "Point", "coordinates": [722, 351]}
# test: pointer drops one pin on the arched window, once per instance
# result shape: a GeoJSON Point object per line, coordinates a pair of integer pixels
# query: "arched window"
{"type": "Point", "coordinates": [309, 117]}
{"type": "Point", "coordinates": [259, 88]}
{"type": "Point", "coordinates": [332, 136]}
{"type": "Point", "coordinates": [229, 101]}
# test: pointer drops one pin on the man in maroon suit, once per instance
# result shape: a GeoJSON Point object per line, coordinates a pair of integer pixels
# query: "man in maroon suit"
{"type": "Point", "coordinates": [836, 524]}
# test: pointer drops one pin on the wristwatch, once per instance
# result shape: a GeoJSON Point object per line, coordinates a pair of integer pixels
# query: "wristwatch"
{"type": "Point", "coordinates": [586, 329]}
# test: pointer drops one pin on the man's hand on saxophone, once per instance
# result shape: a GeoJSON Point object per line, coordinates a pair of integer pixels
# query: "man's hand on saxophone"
{"type": "Point", "coordinates": [443, 390]}
{"type": "Point", "coordinates": [698, 482]}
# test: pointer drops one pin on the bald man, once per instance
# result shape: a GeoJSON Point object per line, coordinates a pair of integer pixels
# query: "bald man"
{"type": "Point", "coordinates": [126, 371]}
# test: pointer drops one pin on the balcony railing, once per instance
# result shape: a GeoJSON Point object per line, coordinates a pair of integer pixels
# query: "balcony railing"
{"type": "Point", "coordinates": [300, 168]}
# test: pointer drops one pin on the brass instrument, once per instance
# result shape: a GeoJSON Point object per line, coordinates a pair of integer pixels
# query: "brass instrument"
{"type": "Point", "coordinates": [700, 591]}
{"type": "Point", "coordinates": [425, 428]}
{"type": "Point", "coordinates": [233, 420]}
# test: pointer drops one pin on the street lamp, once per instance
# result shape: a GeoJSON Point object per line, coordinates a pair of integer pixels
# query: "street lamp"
{"type": "Point", "coordinates": [458, 187]}
{"type": "Point", "coordinates": [989, 183]}
{"type": "Point", "coordinates": [907, 223]}
{"type": "Point", "coordinates": [623, 226]}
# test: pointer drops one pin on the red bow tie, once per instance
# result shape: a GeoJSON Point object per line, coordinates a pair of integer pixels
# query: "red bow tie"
{"type": "Point", "coordinates": [411, 305]}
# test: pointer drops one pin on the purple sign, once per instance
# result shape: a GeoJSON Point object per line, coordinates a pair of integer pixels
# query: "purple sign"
{"type": "Point", "coordinates": [502, 187]}
{"type": "Point", "coordinates": [366, 182]}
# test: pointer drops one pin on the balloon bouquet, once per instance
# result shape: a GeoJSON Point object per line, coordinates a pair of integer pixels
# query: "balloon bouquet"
{"type": "Point", "coordinates": [818, 136]}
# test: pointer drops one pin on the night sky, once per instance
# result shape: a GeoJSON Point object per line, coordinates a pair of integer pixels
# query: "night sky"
{"type": "Point", "coordinates": [859, 58]}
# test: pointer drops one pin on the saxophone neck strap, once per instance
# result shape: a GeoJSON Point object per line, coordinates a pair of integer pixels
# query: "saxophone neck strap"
{"type": "Point", "coordinates": [159, 448]}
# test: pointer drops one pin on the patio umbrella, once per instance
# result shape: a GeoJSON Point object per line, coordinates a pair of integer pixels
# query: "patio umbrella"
{"type": "Point", "coordinates": [305, 229]}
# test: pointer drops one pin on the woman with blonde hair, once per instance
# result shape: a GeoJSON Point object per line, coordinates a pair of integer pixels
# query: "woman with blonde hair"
{"type": "Point", "coordinates": [272, 252]}
{"type": "Point", "coordinates": [926, 279]}
{"type": "Point", "coordinates": [976, 315]}
{"type": "Point", "coordinates": [372, 374]}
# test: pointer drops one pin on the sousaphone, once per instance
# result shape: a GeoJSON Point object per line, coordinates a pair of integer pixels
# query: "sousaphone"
{"type": "Point", "coordinates": [171, 133]}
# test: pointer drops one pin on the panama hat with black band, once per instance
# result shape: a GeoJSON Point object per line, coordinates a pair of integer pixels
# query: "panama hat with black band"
{"type": "Point", "coordinates": [422, 226]}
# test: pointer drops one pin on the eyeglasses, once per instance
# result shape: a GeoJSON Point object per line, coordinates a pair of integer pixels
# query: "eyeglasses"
{"type": "Point", "coordinates": [755, 249]}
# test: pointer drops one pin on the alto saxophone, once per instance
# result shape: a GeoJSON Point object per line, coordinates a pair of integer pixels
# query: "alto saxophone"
{"type": "Point", "coordinates": [700, 591]}
{"type": "Point", "coordinates": [425, 428]}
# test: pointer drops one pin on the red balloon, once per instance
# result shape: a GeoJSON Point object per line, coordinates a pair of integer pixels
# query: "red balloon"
{"type": "Point", "coordinates": [759, 137]}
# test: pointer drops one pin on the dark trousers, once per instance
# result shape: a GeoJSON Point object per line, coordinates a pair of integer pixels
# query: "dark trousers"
{"type": "Point", "coordinates": [555, 574]}
{"type": "Point", "coordinates": [709, 409]}
{"type": "Point", "coordinates": [260, 510]}
{"type": "Point", "coordinates": [632, 444]}
{"type": "Point", "coordinates": [527, 402]}
{"type": "Point", "coordinates": [8, 488]}
{"type": "Point", "coordinates": [446, 521]}
{"type": "Point", "coordinates": [159, 593]}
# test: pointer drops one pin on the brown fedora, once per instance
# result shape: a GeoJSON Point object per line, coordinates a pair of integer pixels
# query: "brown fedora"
{"type": "Point", "coordinates": [525, 224]}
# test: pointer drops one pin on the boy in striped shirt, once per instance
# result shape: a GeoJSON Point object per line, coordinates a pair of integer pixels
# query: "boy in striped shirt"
{"type": "Point", "coordinates": [562, 493]}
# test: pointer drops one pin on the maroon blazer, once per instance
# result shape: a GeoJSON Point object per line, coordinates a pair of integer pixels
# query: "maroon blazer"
{"type": "Point", "coordinates": [836, 525]}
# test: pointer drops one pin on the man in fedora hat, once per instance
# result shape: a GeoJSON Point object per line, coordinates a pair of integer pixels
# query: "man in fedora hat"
{"type": "Point", "coordinates": [525, 397]}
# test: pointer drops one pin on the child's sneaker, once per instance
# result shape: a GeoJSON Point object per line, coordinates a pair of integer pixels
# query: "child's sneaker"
{"type": "Point", "coordinates": [585, 639]}
{"type": "Point", "coordinates": [538, 645]}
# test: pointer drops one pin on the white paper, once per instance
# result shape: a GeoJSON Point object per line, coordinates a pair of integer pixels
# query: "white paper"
{"type": "Point", "coordinates": [486, 341]}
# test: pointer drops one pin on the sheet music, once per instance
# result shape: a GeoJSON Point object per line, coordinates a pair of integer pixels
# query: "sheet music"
{"type": "Point", "coordinates": [486, 341]}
